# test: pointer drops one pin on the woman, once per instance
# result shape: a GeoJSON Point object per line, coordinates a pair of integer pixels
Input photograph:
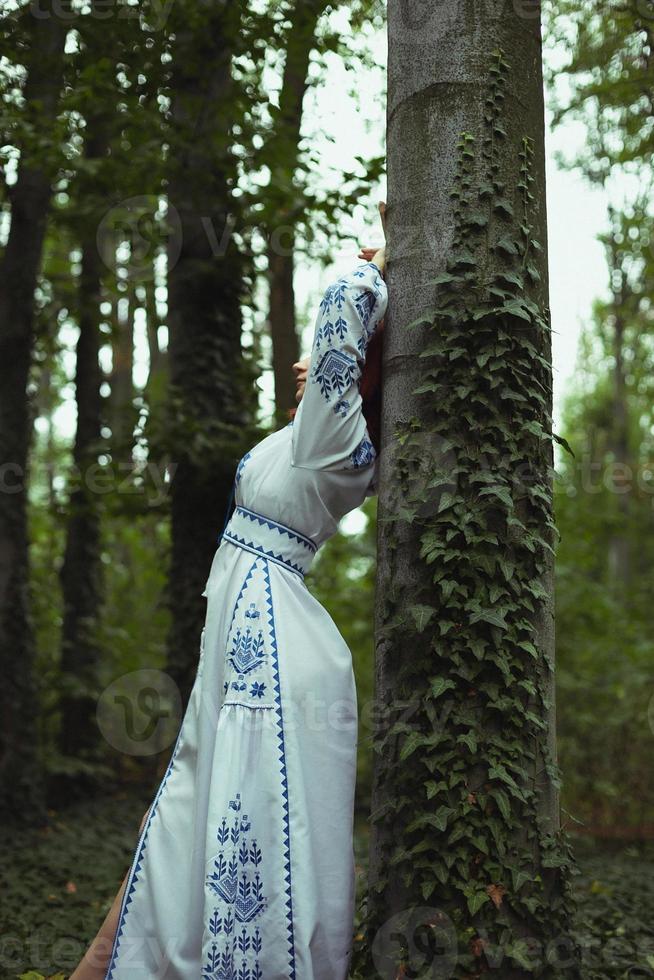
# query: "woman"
{"type": "Point", "coordinates": [244, 867]}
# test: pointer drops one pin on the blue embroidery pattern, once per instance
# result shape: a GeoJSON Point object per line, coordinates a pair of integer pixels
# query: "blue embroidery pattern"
{"type": "Point", "coordinates": [259, 534]}
{"type": "Point", "coordinates": [335, 372]}
{"type": "Point", "coordinates": [139, 859]}
{"type": "Point", "coordinates": [364, 453]}
{"type": "Point", "coordinates": [236, 883]}
{"type": "Point", "coordinates": [290, 532]}
{"type": "Point", "coordinates": [341, 407]}
{"type": "Point", "coordinates": [334, 295]}
{"type": "Point", "coordinates": [365, 304]}
{"type": "Point", "coordinates": [239, 468]}
{"type": "Point", "coordinates": [236, 873]}
{"type": "Point", "coordinates": [248, 676]}
{"type": "Point", "coordinates": [336, 369]}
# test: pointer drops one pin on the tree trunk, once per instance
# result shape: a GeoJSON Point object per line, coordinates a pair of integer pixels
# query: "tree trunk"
{"type": "Point", "coordinates": [29, 198]}
{"type": "Point", "coordinates": [282, 157]}
{"type": "Point", "coordinates": [81, 572]}
{"type": "Point", "coordinates": [123, 414]}
{"type": "Point", "coordinates": [212, 394]}
{"type": "Point", "coordinates": [283, 331]}
{"type": "Point", "coordinates": [618, 437]}
{"type": "Point", "coordinates": [465, 836]}
{"type": "Point", "coordinates": [157, 356]}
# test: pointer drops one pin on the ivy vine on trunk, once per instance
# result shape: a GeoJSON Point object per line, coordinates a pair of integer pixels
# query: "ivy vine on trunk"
{"type": "Point", "coordinates": [470, 870]}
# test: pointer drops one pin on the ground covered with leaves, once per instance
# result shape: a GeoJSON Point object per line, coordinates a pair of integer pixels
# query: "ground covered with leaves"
{"type": "Point", "coordinates": [59, 882]}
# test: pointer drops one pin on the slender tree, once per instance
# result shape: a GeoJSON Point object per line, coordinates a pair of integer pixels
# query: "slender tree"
{"type": "Point", "coordinates": [29, 200]}
{"type": "Point", "coordinates": [123, 415]}
{"type": "Point", "coordinates": [289, 200]}
{"type": "Point", "coordinates": [81, 571]}
{"type": "Point", "coordinates": [212, 394]}
{"type": "Point", "coordinates": [466, 837]}
{"type": "Point", "coordinates": [285, 203]}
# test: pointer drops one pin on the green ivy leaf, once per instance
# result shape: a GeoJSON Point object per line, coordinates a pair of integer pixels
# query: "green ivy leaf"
{"type": "Point", "coordinates": [507, 245]}
{"type": "Point", "coordinates": [562, 442]}
{"type": "Point", "coordinates": [421, 615]}
{"type": "Point", "coordinates": [414, 741]}
{"type": "Point", "coordinates": [443, 278]}
{"type": "Point", "coordinates": [502, 801]}
{"type": "Point", "coordinates": [440, 685]}
{"type": "Point", "coordinates": [489, 616]}
{"type": "Point", "coordinates": [470, 740]}
{"type": "Point", "coordinates": [502, 493]}
{"type": "Point", "coordinates": [520, 953]}
{"type": "Point", "coordinates": [517, 308]}
{"type": "Point", "coordinates": [503, 205]}
{"type": "Point", "coordinates": [427, 888]}
{"type": "Point", "coordinates": [477, 219]}
{"type": "Point", "coordinates": [476, 900]}
{"type": "Point", "coordinates": [426, 317]}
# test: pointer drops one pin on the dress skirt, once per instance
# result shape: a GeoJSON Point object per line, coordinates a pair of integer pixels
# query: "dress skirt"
{"type": "Point", "coordinates": [245, 867]}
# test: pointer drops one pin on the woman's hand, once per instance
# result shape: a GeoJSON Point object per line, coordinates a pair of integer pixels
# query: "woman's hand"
{"type": "Point", "coordinates": [377, 255]}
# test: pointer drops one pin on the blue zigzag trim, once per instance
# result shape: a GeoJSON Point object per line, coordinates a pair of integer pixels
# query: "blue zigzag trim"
{"type": "Point", "coordinates": [282, 760]}
{"type": "Point", "coordinates": [292, 533]}
{"type": "Point", "coordinates": [136, 862]}
{"type": "Point", "coordinates": [257, 550]}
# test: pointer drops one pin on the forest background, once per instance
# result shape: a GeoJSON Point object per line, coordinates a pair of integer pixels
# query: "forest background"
{"type": "Point", "coordinates": [304, 101]}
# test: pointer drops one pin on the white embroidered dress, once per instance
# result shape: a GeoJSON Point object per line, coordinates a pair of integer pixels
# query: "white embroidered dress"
{"type": "Point", "coordinates": [244, 869]}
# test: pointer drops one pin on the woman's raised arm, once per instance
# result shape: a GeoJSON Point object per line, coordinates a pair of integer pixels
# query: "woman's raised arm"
{"type": "Point", "coordinates": [329, 429]}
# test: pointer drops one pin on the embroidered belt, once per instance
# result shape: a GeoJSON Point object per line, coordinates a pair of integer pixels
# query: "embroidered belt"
{"type": "Point", "coordinates": [263, 536]}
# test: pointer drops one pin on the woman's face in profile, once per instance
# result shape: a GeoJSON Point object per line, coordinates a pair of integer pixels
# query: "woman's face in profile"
{"type": "Point", "coordinates": [300, 369]}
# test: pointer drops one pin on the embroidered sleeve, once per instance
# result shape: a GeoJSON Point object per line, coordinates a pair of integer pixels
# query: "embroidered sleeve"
{"type": "Point", "coordinates": [329, 429]}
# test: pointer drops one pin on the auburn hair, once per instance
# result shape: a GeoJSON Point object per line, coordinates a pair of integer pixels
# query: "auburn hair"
{"type": "Point", "coordinates": [370, 386]}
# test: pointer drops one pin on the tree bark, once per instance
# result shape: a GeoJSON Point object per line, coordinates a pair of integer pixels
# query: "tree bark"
{"type": "Point", "coordinates": [619, 558]}
{"type": "Point", "coordinates": [282, 156]}
{"type": "Point", "coordinates": [212, 394]}
{"type": "Point", "coordinates": [81, 571]}
{"type": "Point", "coordinates": [123, 415]}
{"type": "Point", "coordinates": [283, 329]}
{"type": "Point", "coordinates": [20, 774]}
{"type": "Point", "coordinates": [457, 123]}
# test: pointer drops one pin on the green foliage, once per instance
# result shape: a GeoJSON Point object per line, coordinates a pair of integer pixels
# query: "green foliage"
{"type": "Point", "coordinates": [464, 821]}
{"type": "Point", "coordinates": [610, 80]}
{"type": "Point", "coordinates": [604, 641]}
{"type": "Point", "coordinates": [64, 877]}
{"type": "Point", "coordinates": [62, 881]}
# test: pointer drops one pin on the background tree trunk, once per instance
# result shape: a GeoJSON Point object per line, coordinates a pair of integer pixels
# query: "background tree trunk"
{"type": "Point", "coordinates": [283, 328]}
{"type": "Point", "coordinates": [282, 154]}
{"type": "Point", "coordinates": [123, 415]}
{"type": "Point", "coordinates": [81, 572]}
{"type": "Point", "coordinates": [465, 804]}
{"type": "Point", "coordinates": [29, 198]}
{"type": "Point", "coordinates": [212, 396]}
{"type": "Point", "coordinates": [623, 308]}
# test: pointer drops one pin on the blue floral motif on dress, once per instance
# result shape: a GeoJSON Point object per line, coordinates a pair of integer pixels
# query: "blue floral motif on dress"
{"type": "Point", "coordinates": [341, 407]}
{"type": "Point", "coordinates": [247, 652]}
{"type": "Point", "coordinates": [365, 303]}
{"type": "Point", "coordinates": [334, 295]}
{"type": "Point", "coordinates": [246, 660]}
{"type": "Point", "coordinates": [325, 332]}
{"type": "Point", "coordinates": [335, 372]}
{"type": "Point", "coordinates": [341, 327]}
{"type": "Point", "coordinates": [364, 453]}
{"type": "Point", "coordinates": [236, 883]}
